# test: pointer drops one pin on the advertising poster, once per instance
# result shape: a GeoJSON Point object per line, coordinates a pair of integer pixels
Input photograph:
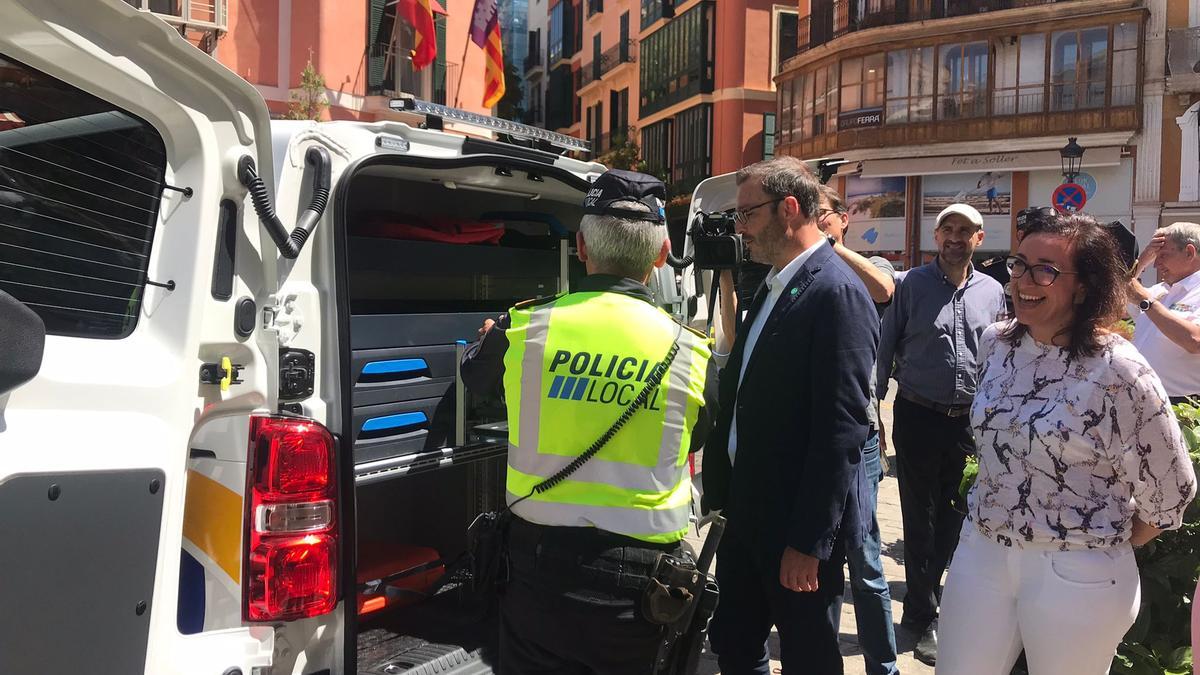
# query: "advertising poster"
{"type": "Point", "coordinates": [990, 192]}
{"type": "Point", "coordinates": [876, 207]}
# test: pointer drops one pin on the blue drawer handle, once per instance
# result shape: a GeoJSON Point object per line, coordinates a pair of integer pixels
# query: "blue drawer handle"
{"type": "Point", "coordinates": [396, 366]}
{"type": "Point", "coordinates": [411, 419]}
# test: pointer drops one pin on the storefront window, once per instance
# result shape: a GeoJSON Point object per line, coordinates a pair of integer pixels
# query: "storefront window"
{"type": "Point", "coordinates": [1020, 75]}
{"type": "Point", "coordinates": [909, 86]}
{"type": "Point", "coordinates": [825, 102]}
{"type": "Point", "coordinates": [1078, 69]}
{"type": "Point", "coordinates": [962, 80]}
{"type": "Point", "coordinates": [1125, 64]}
{"type": "Point", "coordinates": [862, 83]}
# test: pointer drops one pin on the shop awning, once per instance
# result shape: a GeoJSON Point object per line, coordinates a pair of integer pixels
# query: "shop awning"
{"type": "Point", "coordinates": [1042, 160]}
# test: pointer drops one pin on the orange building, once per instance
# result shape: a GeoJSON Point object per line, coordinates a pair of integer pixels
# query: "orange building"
{"type": "Point", "coordinates": [694, 89]}
{"type": "Point", "coordinates": [358, 47]}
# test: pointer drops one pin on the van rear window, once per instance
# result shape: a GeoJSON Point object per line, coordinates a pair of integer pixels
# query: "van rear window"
{"type": "Point", "coordinates": [80, 183]}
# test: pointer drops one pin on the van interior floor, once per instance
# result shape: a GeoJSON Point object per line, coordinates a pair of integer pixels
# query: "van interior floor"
{"type": "Point", "coordinates": [437, 636]}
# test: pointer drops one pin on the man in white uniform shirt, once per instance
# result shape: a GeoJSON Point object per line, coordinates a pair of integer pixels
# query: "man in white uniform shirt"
{"type": "Point", "coordinates": [1167, 314]}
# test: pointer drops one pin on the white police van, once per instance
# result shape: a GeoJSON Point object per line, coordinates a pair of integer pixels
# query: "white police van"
{"type": "Point", "coordinates": [246, 450]}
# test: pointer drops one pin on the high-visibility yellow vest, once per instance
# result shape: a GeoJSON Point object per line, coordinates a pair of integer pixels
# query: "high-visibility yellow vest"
{"type": "Point", "coordinates": [573, 365]}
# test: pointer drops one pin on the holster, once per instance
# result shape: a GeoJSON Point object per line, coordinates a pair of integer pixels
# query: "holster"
{"type": "Point", "coordinates": [486, 547]}
{"type": "Point", "coordinates": [671, 589]}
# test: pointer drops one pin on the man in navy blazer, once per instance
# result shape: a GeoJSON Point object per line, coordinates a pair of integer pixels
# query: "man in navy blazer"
{"type": "Point", "coordinates": [784, 463]}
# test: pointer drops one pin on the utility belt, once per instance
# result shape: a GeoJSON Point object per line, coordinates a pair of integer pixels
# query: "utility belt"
{"type": "Point", "coordinates": [662, 578]}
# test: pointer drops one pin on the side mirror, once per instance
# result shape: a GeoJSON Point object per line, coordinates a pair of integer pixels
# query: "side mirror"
{"type": "Point", "coordinates": [22, 339]}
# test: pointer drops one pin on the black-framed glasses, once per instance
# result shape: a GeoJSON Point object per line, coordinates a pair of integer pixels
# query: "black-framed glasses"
{"type": "Point", "coordinates": [821, 213]}
{"type": "Point", "coordinates": [740, 216]}
{"type": "Point", "coordinates": [1042, 274]}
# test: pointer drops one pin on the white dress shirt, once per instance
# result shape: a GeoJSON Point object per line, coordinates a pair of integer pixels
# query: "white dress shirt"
{"type": "Point", "coordinates": [1178, 370]}
{"type": "Point", "coordinates": [776, 281]}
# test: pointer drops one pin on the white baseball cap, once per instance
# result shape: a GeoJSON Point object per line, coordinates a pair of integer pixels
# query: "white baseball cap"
{"type": "Point", "coordinates": [965, 210]}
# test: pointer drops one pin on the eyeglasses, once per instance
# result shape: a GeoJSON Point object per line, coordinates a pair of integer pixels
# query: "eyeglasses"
{"type": "Point", "coordinates": [821, 213]}
{"type": "Point", "coordinates": [1042, 275]}
{"type": "Point", "coordinates": [740, 216]}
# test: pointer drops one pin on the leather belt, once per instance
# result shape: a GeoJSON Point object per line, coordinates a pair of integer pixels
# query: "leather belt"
{"type": "Point", "coordinates": [947, 410]}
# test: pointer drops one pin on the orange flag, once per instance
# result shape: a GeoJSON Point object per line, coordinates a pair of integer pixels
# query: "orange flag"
{"type": "Point", "coordinates": [485, 32]}
{"type": "Point", "coordinates": [493, 77]}
{"type": "Point", "coordinates": [419, 15]}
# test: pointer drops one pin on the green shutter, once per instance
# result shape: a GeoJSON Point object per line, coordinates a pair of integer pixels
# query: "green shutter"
{"type": "Point", "coordinates": [376, 47]}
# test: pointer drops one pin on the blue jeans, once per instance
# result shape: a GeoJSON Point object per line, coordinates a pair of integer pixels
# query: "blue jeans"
{"type": "Point", "coordinates": [868, 586]}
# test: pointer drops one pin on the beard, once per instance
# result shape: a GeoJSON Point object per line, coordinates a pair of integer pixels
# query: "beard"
{"type": "Point", "coordinates": [956, 255]}
{"type": "Point", "coordinates": [767, 244]}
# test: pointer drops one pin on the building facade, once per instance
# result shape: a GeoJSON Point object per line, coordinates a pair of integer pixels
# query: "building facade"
{"type": "Point", "coordinates": [360, 48]}
{"type": "Point", "coordinates": [920, 103]}
{"type": "Point", "coordinates": [690, 84]}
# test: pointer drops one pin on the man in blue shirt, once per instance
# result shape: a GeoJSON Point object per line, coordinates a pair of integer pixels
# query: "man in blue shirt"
{"type": "Point", "coordinates": [929, 342]}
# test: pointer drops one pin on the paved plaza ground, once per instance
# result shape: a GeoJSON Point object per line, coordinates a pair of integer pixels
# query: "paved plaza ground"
{"type": "Point", "coordinates": [893, 565]}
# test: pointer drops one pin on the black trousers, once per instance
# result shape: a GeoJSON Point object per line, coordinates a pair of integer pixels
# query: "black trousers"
{"type": "Point", "coordinates": [562, 614]}
{"type": "Point", "coordinates": [752, 600]}
{"type": "Point", "coordinates": [931, 452]}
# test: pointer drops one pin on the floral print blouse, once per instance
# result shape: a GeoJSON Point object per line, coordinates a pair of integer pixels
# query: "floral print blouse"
{"type": "Point", "coordinates": [1071, 450]}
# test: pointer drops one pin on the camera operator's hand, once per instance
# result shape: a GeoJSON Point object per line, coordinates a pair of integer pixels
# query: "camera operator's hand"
{"type": "Point", "coordinates": [728, 313]}
{"type": "Point", "coordinates": [487, 326]}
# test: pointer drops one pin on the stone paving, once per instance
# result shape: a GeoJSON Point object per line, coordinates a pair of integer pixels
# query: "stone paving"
{"type": "Point", "coordinates": [893, 565]}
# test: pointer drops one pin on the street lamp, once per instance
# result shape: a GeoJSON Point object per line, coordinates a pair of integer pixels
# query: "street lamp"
{"type": "Point", "coordinates": [1072, 157]}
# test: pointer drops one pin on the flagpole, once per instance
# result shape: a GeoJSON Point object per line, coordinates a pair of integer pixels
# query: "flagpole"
{"type": "Point", "coordinates": [461, 69]}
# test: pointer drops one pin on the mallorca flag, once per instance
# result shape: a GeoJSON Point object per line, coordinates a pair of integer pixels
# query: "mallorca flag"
{"type": "Point", "coordinates": [485, 32]}
{"type": "Point", "coordinates": [420, 16]}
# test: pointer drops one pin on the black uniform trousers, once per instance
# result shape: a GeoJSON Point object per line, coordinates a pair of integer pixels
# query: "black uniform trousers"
{"type": "Point", "coordinates": [931, 453]}
{"type": "Point", "coordinates": [752, 600]}
{"type": "Point", "coordinates": [573, 603]}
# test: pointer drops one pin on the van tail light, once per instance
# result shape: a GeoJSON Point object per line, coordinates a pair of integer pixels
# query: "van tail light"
{"type": "Point", "coordinates": [291, 562]}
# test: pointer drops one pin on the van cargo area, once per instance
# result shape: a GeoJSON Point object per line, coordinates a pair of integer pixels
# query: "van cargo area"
{"type": "Point", "coordinates": [428, 455]}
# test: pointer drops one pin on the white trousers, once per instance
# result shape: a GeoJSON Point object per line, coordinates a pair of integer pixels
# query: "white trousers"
{"type": "Point", "coordinates": [1067, 609]}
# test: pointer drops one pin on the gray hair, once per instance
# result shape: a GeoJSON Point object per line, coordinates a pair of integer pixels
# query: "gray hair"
{"type": "Point", "coordinates": [623, 246]}
{"type": "Point", "coordinates": [1182, 234]}
{"type": "Point", "coordinates": [785, 176]}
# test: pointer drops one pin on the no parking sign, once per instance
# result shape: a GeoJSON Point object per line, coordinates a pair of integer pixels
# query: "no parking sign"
{"type": "Point", "coordinates": [1069, 198]}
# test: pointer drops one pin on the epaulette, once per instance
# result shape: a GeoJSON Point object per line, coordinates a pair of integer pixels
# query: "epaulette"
{"type": "Point", "coordinates": [536, 302]}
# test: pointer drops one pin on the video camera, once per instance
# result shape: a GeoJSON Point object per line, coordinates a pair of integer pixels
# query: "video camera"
{"type": "Point", "coordinates": [715, 244]}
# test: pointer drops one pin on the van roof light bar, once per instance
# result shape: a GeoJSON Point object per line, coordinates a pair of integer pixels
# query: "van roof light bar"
{"type": "Point", "coordinates": [514, 129]}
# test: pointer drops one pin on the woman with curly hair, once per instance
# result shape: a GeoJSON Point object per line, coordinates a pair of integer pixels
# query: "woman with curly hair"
{"type": "Point", "coordinates": [1080, 460]}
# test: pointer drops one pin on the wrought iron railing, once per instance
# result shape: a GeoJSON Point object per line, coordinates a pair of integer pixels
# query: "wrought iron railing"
{"type": "Point", "coordinates": [831, 20]}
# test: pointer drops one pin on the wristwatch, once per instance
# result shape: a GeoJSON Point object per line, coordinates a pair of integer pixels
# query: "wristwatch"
{"type": "Point", "coordinates": [1145, 304]}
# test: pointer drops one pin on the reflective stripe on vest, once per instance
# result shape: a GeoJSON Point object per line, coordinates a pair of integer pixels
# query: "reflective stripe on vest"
{"type": "Point", "coordinates": [572, 367]}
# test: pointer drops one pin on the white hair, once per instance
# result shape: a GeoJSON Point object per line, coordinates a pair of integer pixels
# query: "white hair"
{"type": "Point", "coordinates": [623, 246]}
{"type": "Point", "coordinates": [1182, 234]}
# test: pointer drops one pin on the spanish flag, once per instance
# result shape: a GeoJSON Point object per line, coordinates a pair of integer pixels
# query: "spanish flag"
{"type": "Point", "coordinates": [419, 15]}
{"type": "Point", "coordinates": [485, 32]}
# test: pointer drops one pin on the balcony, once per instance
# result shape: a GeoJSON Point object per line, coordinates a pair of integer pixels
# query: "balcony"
{"type": "Point", "coordinates": [1183, 60]}
{"type": "Point", "coordinates": [830, 20]}
{"type": "Point", "coordinates": [533, 63]}
{"type": "Point", "coordinates": [199, 14]}
{"type": "Point", "coordinates": [435, 83]}
{"type": "Point", "coordinates": [677, 60]}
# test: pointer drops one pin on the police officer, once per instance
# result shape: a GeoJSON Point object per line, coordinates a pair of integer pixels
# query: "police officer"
{"type": "Point", "coordinates": [1028, 220]}
{"type": "Point", "coordinates": [581, 554]}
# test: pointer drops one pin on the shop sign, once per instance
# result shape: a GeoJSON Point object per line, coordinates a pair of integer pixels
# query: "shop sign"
{"type": "Point", "coordinates": [859, 119]}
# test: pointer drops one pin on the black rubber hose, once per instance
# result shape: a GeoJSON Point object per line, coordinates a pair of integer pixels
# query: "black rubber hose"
{"type": "Point", "coordinates": [680, 263]}
{"type": "Point", "coordinates": [289, 245]}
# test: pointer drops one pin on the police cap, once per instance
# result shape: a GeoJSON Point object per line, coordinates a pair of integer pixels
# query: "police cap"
{"type": "Point", "coordinates": [1034, 217]}
{"type": "Point", "coordinates": [618, 185]}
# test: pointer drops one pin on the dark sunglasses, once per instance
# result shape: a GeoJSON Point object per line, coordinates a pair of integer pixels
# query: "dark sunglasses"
{"type": "Point", "coordinates": [1042, 274]}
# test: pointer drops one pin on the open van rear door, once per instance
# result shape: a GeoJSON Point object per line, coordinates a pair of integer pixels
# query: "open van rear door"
{"type": "Point", "coordinates": [121, 470]}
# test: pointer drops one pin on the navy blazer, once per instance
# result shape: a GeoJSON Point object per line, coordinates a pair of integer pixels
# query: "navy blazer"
{"type": "Point", "coordinates": [798, 478]}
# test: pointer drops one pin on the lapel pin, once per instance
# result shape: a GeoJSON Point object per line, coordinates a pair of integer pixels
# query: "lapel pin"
{"type": "Point", "coordinates": [795, 291]}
